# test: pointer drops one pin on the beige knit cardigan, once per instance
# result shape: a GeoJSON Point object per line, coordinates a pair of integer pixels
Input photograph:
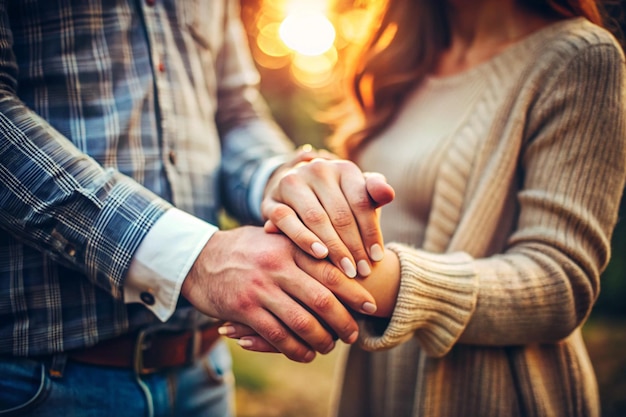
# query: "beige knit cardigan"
{"type": "Point", "coordinates": [488, 317]}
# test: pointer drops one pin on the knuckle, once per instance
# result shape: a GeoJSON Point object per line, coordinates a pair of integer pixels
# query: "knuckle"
{"type": "Point", "coordinates": [247, 300]}
{"type": "Point", "coordinates": [330, 276]}
{"type": "Point", "coordinates": [289, 180]}
{"type": "Point", "coordinates": [301, 323]}
{"type": "Point", "coordinates": [299, 236]}
{"type": "Point", "coordinates": [323, 302]}
{"type": "Point", "coordinates": [276, 335]}
{"type": "Point", "coordinates": [361, 203]}
{"type": "Point", "coordinates": [319, 167]}
{"type": "Point", "coordinates": [244, 304]}
{"type": "Point", "coordinates": [342, 219]}
{"type": "Point", "coordinates": [279, 213]}
{"type": "Point", "coordinates": [266, 260]}
{"type": "Point", "coordinates": [314, 216]}
{"type": "Point", "coordinates": [370, 231]}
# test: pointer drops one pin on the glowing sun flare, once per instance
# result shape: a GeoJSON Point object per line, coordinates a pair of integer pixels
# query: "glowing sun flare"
{"type": "Point", "coordinates": [309, 33]}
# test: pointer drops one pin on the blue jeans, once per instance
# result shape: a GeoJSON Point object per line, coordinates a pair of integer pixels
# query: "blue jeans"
{"type": "Point", "coordinates": [60, 388]}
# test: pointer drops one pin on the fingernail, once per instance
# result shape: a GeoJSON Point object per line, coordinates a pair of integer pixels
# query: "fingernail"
{"type": "Point", "coordinates": [363, 267]}
{"type": "Point", "coordinates": [226, 330]}
{"type": "Point", "coordinates": [319, 250]}
{"type": "Point", "coordinates": [353, 337]}
{"type": "Point", "coordinates": [309, 356]}
{"type": "Point", "coordinates": [376, 252]}
{"type": "Point", "coordinates": [244, 343]}
{"type": "Point", "coordinates": [348, 268]}
{"type": "Point", "coordinates": [328, 349]}
{"type": "Point", "coordinates": [369, 308]}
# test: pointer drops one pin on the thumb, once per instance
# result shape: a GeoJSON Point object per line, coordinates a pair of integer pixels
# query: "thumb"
{"type": "Point", "coordinates": [378, 189]}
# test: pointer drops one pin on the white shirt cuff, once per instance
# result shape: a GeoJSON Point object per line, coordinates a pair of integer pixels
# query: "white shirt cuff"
{"type": "Point", "coordinates": [259, 182]}
{"type": "Point", "coordinates": [163, 259]}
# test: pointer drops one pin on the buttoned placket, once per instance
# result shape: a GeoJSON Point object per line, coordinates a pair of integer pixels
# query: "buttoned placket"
{"type": "Point", "coordinates": [153, 13]}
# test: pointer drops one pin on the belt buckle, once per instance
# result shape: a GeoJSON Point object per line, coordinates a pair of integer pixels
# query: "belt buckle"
{"type": "Point", "coordinates": [140, 344]}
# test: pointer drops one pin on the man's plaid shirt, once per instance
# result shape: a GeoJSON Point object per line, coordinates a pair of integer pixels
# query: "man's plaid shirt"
{"type": "Point", "coordinates": [110, 111]}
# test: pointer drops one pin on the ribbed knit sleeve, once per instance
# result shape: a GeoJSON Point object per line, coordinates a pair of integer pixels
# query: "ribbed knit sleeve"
{"type": "Point", "coordinates": [545, 283]}
{"type": "Point", "coordinates": [436, 299]}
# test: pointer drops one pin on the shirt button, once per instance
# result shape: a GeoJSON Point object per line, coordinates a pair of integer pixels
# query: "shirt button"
{"type": "Point", "coordinates": [147, 298]}
{"type": "Point", "coordinates": [161, 67]}
{"type": "Point", "coordinates": [70, 250]}
{"type": "Point", "coordinates": [172, 157]}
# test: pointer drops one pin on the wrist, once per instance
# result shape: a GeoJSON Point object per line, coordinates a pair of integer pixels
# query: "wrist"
{"type": "Point", "coordinates": [196, 281]}
{"type": "Point", "coordinates": [384, 283]}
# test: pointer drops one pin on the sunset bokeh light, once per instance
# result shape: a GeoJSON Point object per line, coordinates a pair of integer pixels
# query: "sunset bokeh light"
{"type": "Point", "coordinates": [306, 38]}
{"type": "Point", "coordinates": [308, 33]}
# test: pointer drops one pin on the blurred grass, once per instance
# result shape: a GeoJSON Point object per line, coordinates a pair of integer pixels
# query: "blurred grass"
{"type": "Point", "coordinates": [270, 385]}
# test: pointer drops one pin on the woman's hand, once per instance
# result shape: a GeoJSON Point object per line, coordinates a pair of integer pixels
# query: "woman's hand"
{"type": "Point", "coordinates": [328, 207]}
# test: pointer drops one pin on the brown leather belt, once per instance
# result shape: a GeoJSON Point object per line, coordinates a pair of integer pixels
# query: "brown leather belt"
{"type": "Point", "coordinates": [150, 352]}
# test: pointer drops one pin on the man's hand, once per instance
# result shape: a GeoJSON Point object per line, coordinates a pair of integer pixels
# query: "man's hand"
{"type": "Point", "coordinates": [328, 207]}
{"type": "Point", "coordinates": [264, 281]}
{"type": "Point", "coordinates": [383, 284]}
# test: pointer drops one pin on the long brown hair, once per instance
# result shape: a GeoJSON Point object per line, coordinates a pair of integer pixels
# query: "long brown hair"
{"type": "Point", "coordinates": [401, 51]}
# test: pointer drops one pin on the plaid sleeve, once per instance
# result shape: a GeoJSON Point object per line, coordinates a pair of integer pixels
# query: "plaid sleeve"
{"type": "Point", "coordinates": [62, 202]}
{"type": "Point", "coordinates": [59, 200]}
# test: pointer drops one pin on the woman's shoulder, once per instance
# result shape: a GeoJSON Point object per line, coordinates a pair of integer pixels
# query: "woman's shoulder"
{"type": "Point", "coordinates": [540, 55]}
{"type": "Point", "coordinates": [573, 47]}
{"type": "Point", "coordinates": [570, 37]}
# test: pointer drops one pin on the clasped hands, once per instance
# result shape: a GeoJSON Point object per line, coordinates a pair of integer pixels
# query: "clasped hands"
{"type": "Point", "coordinates": [288, 287]}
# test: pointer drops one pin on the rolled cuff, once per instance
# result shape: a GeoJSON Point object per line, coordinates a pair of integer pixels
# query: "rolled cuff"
{"type": "Point", "coordinates": [436, 299]}
{"type": "Point", "coordinates": [163, 260]}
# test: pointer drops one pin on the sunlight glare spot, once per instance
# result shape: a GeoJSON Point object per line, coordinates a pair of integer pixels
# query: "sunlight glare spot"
{"type": "Point", "coordinates": [308, 33]}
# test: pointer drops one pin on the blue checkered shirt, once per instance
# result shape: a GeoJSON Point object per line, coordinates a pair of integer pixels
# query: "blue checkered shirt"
{"type": "Point", "coordinates": [112, 111]}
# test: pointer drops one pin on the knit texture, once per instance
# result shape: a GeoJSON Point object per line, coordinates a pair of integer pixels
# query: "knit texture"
{"type": "Point", "coordinates": [487, 321]}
